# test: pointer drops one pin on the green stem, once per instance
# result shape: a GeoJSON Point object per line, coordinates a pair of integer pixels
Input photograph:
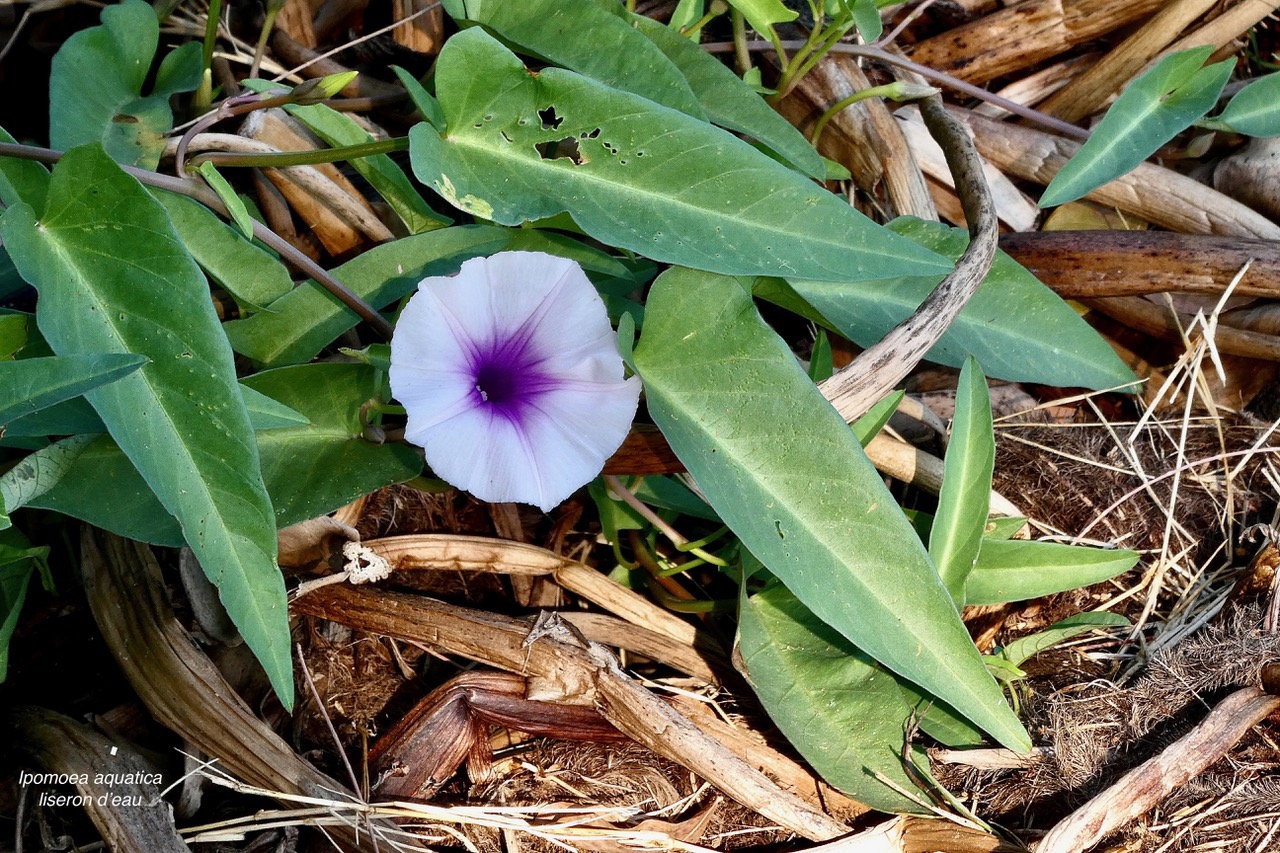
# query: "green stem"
{"type": "Point", "coordinates": [835, 109]}
{"type": "Point", "coordinates": [204, 95]}
{"type": "Point", "coordinates": [301, 158]}
{"type": "Point", "coordinates": [698, 24]}
{"type": "Point", "coordinates": [201, 193]}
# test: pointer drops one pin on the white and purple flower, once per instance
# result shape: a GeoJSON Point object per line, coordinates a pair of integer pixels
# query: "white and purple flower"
{"type": "Point", "coordinates": [511, 378]}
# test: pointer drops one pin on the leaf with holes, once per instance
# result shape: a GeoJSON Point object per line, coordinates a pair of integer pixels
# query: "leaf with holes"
{"type": "Point", "coordinates": [552, 30]}
{"type": "Point", "coordinates": [521, 146]}
{"type": "Point", "coordinates": [113, 277]}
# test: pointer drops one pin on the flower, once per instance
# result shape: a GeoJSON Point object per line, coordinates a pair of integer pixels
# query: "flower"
{"type": "Point", "coordinates": [511, 378]}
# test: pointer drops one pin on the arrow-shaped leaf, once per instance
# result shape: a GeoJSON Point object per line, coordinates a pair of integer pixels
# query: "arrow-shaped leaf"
{"type": "Point", "coordinates": [788, 476]}
{"type": "Point", "coordinates": [1152, 110]}
{"type": "Point", "coordinates": [637, 175]}
{"type": "Point", "coordinates": [32, 384]}
{"type": "Point", "coordinates": [113, 277]}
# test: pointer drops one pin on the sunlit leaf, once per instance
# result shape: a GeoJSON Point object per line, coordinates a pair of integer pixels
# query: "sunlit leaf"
{"type": "Point", "coordinates": [1018, 570]}
{"type": "Point", "coordinates": [1028, 647]}
{"type": "Point", "coordinates": [113, 277]}
{"type": "Point", "coordinates": [1152, 110]}
{"type": "Point", "coordinates": [965, 499]}
{"type": "Point", "coordinates": [730, 102]}
{"type": "Point", "coordinates": [553, 30]}
{"type": "Point", "coordinates": [788, 476]}
{"type": "Point", "coordinates": [1255, 109]}
{"type": "Point", "coordinates": [840, 710]}
{"type": "Point", "coordinates": [763, 14]}
{"type": "Point", "coordinates": [635, 175]}
{"type": "Point", "coordinates": [1017, 328]}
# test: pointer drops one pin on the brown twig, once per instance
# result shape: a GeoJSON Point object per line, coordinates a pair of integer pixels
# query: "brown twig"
{"type": "Point", "coordinates": [201, 193]}
{"type": "Point", "coordinates": [1142, 788]}
{"type": "Point", "coordinates": [855, 388]}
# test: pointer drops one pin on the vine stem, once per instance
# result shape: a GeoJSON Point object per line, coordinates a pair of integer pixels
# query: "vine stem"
{"type": "Point", "coordinates": [201, 193]}
{"type": "Point", "coordinates": [879, 54]}
{"type": "Point", "coordinates": [855, 388]}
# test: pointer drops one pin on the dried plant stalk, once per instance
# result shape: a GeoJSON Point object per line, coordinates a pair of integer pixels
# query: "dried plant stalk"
{"type": "Point", "coordinates": [1089, 92]}
{"type": "Point", "coordinates": [1157, 195]}
{"type": "Point", "coordinates": [61, 745]}
{"type": "Point", "coordinates": [181, 687]}
{"type": "Point", "coordinates": [1142, 788]}
{"type": "Point", "coordinates": [863, 136]}
{"type": "Point", "coordinates": [1085, 264]}
{"type": "Point", "coordinates": [1025, 34]}
{"type": "Point", "coordinates": [562, 667]}
{"type": "Point", "coordinates": [1235, 21]}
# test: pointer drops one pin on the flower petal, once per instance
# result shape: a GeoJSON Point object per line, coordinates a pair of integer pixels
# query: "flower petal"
{"type": "Point", "coordinates": [511, 378]}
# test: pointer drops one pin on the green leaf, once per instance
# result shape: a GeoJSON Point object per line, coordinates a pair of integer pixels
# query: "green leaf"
{"type": "Point", "coordinates": [422, 99]}
{"type": "Point", "coordinates": [866, 17]}
{"type": "Point", "coordinates": [22, 180]}
{"type": "Point", "coordinates": [113, 277]}
{"type": "Point", "coordinates": [380, 170]}
{"type": "Point", "coordinates": [243, 269]}
{"type": "Point", "coordinates": [964, 501]}
{"type": "Point", "coordinates": [267, 413]}
{"type": "Point", "coordinates": [1017, 570]}
{"type": "Point", "coordinates": [1255, 109]}
{"type": "Point", "coordinates": [235, 205]}
{"type": "Point", "coordinates": [788, 476]}
{"type": "Point", "coordinates": [18, 562]}
{"type": "Point", "coordinates": [843, 713]}
{"type": "Point", "coordinates": [554, 29]}
{"type": "Point", "coordinates": [731, 103]}
{"type": "Point", "coordinates": [13, 336]}
{"type": "Point", "coordinates": [309, 318]}
{"type": "Point", "coordinates": [309, 469]}
{"type": "Point", "coordinates": [820, 360]}
{"type": "Point", "coordinates": [635, 175]}
{"type": "Point", "coordinates": [687, 13]}
{"type": "Point", "coordinates": [1028, 647]}
{"type": "Point", "coordinates": [315, 468]}
{"type": "Point", "coordinates": [1015, 326]}
{"type": "Point", "coordinates": [96, 84]}
{"type": "Point", "coordinates": [32, 384]}
{"type": "Point", "coordinates": [1003, 528]}
{"type": "Point", "coordinates": [869, 425]}
{"type": "Point", "coordinates": [39, 472]}
{"type": "Point", "coordinates": [763, 14]}
{"type": "Point", "coordinates": [1153, 109]}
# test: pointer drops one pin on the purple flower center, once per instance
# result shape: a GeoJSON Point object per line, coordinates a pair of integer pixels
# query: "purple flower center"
{"type": "Point", "coordinates": [508, 379]}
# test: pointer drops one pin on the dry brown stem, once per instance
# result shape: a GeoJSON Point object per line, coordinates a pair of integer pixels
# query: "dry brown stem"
{"type": "Point", "coordinates": [1025, 34]}
{"type": "Point", "coordinates": [59, 744]}
{"type": "Point", "coordinates": [1084, 264]}
{"type": "Point", "coordinates": [1090, 91]}
{"type": "Point", "coordinates": [561, 666]}
{"type": "Point", "coordinates": [181, 687]}
{"type": "Point", "coordinates": [1139, 790]}
{"type": "Point", "coordinates": [864, 136]}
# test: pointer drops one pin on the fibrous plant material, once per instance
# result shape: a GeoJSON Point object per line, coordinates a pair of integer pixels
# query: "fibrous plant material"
{"type": "Point", "coordinates": [180, 686]}
{"type": "Point", "coordinates": [1100, 730]}
{"type": "Point", "coordinates": [1024, 34]}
